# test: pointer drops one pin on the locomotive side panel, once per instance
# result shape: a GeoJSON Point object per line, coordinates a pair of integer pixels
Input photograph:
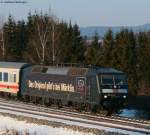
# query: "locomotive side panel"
{"type": "Point", "coordinates": [94, 95]}
{"type": "Point", "coordinates": [66, 88]}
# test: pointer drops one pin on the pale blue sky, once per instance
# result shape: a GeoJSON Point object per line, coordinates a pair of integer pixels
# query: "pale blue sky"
{"type": "Point", "coordinates": [87, 12]}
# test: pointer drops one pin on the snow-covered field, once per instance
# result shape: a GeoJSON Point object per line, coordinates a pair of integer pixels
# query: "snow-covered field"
{"type": "Point", "coordinates": [7, 122]}
{"type": "Point", "coordinates": [46, 121]}
{"type": "Point", "coordinates": [22, 126]}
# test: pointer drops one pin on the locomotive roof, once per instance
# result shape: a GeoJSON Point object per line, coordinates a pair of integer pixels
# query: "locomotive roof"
{"type": "Point", "coordinates": [14, 65]}
{"type": "Point", "coordinates": [56, 70]}
{"type": "Point", "coordinates": [59, 70]}
{"type": "Point", "coordinates": [108, 70]}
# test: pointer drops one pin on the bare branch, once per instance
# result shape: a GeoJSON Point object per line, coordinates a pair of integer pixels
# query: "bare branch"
{"type": "Point", "coordinates": [45, 39]}
{"type": "Point", "coordinates": [36, 50]}
{"type": "Point", "coordinates": [39, 33]}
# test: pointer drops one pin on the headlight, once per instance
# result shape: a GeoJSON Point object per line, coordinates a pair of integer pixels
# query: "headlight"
{"type": "Point", "coordinates": [115, 86]}
{"type": "Point", "coordinates": [124, 96]}
{"type": "Point", "coordinates": [105, 96]}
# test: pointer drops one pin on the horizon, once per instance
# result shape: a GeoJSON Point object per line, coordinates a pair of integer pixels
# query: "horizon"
{"type": "Point", "coordinates": [85, 13]}
{"type": "Point", "coordinates": [117, 25]}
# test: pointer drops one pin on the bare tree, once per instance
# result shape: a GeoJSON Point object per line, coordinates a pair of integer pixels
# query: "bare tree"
{"type": "Point", "coordinates": [43, 37]}
{"type": "Point", "coordinates": [39, 37]}
{"type": "Point", "coordinates": [55, 39]}
{"type": "Point", "coordinates": [54, 35]}
{"type": "Point", "coordinates": [48, 33]}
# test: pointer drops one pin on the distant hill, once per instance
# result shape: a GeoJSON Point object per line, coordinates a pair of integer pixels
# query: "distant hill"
{"type": "Point", "coordinates": [101, 30]}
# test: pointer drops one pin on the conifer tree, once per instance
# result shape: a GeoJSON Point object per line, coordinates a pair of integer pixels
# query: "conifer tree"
{"type": "Point", "coordinates": [94, 53]}
{"type": "Point", "coordinates": [108, 46]}
{"type": "Point", "coordinates": [10, 38]}
{"type": "Point", "coordinates": [144, 61]}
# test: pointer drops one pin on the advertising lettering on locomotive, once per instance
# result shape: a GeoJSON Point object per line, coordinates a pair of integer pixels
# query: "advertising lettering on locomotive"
{"type": "Point", "coordinates": [51, 86]}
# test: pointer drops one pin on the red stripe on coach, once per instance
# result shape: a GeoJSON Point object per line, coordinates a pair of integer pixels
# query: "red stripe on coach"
{"type": "Point", "coordinates": [10, 86]}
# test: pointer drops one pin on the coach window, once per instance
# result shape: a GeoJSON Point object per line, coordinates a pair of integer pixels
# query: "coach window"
{"type": "Point", "coordinates": [10, 77]}
{"type": "Point", "coordinates": [14, 78]}
{"type": "Point", "coordinates": [0, 76]}
{"type": "Point", "coordinates": [5, 77]}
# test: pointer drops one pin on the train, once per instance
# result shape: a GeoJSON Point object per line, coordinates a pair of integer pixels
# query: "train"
{"type": "Point", "coordinates": [87, 88]}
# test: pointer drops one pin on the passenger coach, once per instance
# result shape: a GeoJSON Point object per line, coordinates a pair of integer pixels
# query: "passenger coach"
{"type": "Point", "coordinates": [10, 73]}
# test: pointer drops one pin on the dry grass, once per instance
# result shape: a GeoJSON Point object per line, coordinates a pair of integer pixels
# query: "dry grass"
{"type": "Point", "coordinates": [13, 132]}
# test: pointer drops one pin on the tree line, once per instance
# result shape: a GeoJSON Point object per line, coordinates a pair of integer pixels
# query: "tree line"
{"type": "Point", "coordinates": [43, 39]}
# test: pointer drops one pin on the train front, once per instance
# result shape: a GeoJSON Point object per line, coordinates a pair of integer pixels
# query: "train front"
{"type": "Point", "coordinates": [114, 90]}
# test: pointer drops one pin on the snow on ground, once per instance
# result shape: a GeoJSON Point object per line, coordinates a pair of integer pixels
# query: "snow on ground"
{"type": "Point", "coordinates": [129, 113]}
{"type": "Point", "coordinates": [135, 113]}
{"type": "Point", "coordinates": [75, 123]}
{"type": "Point", "coordinates": [21, 126]}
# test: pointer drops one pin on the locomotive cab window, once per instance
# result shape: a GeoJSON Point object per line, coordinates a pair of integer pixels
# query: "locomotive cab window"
{"type": "Point", "coordinates": [5, 77]}
{"type": "Point", "coordinates": [0, 76]}
{"type": "Point", "coordinates": [107, 79]}
{"type": "Point", "coordinates": [120, 79]}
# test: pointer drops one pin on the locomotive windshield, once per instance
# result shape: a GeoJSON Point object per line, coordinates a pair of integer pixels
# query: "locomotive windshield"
{"type": "Point", "coordinates": [113, 79]}
{"type": "Point", "coordinates": [107, 79]}
{"type": "Point", "coordinates": [120, 79]}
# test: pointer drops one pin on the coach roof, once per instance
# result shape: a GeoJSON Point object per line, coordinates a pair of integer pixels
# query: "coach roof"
{"type": "Point", "coordinates": [14, 65]}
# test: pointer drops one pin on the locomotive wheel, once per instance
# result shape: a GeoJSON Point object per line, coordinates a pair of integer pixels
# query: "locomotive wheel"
{"type": "Point", "coordinates": [50, 102]}
{"type": "Point", "coordinates": [46, 102]}
{"type": "Point", "coordinates": [76, 106]}
{"type": "Point", "coordinates": [87, 107]}
{"type": "Point", "coordinates": [26, 98]}
{"type": "Point", "coordinates": [59, 103]}
{"type": "Point", "coordinates": [33, 99]}
{"type": "Point", "coordinates": [95, 109]}
{"type": "Point", "coordinates": [70, 104]}
{"type": "Point", "coordinates": [82, 107]}
{"type": "Point", "coordinates": [36, 100]}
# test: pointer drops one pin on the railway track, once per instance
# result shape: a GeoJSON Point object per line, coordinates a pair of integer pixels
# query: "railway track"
{"type": "Point", "coordinates": [21, 108]}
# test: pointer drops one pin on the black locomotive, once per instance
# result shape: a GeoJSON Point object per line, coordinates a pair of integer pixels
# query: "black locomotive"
{"type": "Point", "coordinates": [88, 88]}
